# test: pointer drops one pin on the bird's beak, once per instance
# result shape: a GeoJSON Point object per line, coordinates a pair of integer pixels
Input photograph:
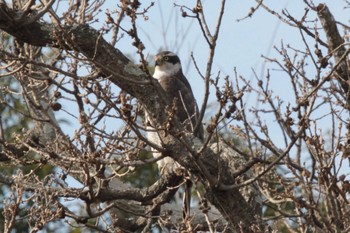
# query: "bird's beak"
{"type": "Point", "coordinates": [158, 61]}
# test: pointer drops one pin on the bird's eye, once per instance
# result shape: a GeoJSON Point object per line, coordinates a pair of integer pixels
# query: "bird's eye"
{"type": "Point", "coordinates": [166, 58]}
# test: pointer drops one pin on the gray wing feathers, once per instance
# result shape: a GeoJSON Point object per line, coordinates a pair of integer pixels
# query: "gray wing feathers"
{"type": "Point", "coordinates": [187, 109]}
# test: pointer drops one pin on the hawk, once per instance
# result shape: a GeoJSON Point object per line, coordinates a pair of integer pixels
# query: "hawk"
{"type": "Point", "coordinates": [169, 74]}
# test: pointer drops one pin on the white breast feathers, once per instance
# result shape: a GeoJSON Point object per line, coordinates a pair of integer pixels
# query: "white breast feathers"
{"type": "Point", "coordinates": [166, 70]}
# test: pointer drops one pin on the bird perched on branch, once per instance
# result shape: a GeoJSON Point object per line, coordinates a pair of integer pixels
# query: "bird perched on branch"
{"type": "Point", "coordinates": [168, 72]}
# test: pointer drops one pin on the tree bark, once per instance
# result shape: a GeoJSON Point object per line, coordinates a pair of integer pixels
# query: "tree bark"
{"type": "Point", "coordinates": [336, 47]}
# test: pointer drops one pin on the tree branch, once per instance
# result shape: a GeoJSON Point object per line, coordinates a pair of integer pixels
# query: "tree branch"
{"type": "Point", "coordinates": [336, 46]}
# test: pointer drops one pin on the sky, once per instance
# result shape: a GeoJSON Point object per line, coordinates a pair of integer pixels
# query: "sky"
{"type": "Point", "coordinates": [240, 45]}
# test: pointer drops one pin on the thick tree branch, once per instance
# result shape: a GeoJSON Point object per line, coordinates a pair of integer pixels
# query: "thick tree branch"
{"type": "Point", "coordinates": [336, 46]}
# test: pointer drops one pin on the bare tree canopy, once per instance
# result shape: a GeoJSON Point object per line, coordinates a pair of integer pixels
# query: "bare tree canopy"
{"type": "Point", "coordinates": [57, 64]}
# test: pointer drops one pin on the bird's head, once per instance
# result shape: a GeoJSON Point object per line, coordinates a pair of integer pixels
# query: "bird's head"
{"type": "Point", "coordinates": [167, 63]}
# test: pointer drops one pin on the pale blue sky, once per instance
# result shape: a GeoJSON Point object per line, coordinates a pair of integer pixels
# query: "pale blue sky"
{"type": "Point", "coordinates": [241, 44]}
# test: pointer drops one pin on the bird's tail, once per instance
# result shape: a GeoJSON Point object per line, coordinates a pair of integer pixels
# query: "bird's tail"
{"type": "Point", "coordinates": [187, 200]}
